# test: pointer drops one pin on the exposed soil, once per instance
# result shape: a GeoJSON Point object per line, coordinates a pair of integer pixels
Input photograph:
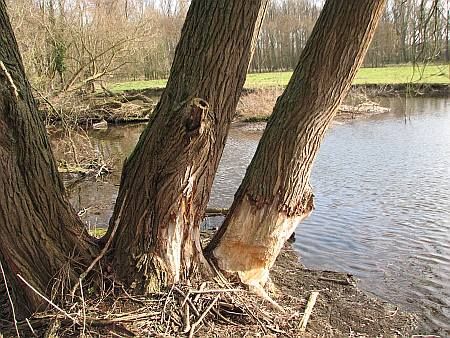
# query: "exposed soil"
{"type": "Point", "coordinates": [255, 105]}
{"type": "Point", "coordinates": [341, 310]}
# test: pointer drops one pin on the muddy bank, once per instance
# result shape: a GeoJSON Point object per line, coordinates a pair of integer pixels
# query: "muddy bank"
{"type": "Point", "coordinates": [220, 309]}
{"type": "Point", "coordinates": [404, 89]}
{"type": "Point", "coordinates": [385, 90]}
{"type": "Point", "coordinates": [255, 105]}
{"type": "Point", "coordinates": [341, 308]}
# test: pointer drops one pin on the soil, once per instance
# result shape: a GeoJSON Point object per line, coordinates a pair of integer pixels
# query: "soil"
{"type": "Point", "coordinates": [341, 310]}
{"type": "Point", "coordinates": [255, 104]}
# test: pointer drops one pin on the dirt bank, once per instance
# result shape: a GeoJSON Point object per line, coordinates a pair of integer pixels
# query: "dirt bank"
{"type": "Point", "coordinates": [220, 309]}
{"type": "Point", "coordinates": [403, 89]}
{"type": "Point", "coordinates": [396, 89]}
{"type": "Point", "coordinates": [341, 308]}
{"type": "Point", "coordinates": [255, 105]}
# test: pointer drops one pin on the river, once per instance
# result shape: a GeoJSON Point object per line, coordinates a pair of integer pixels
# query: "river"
{"type": "Point", "coordinates": [382, 212]}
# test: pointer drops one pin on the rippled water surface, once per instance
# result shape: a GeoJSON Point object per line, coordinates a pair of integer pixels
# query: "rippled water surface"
{"type": "Point", "coordinates": [383, 207]}
{"type": "Point", "coordinates": [382, 190]}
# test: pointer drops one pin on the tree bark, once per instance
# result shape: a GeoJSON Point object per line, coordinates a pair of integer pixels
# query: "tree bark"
{"type": "Point", "coordinates": [275, 194]}
{"type": "Point", "coordinates": [166, 182]}
{"type": "Point", "coordinates": [42, 237]}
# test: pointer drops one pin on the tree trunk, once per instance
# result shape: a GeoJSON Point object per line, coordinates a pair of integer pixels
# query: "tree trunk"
{"type": "Point", "coordinates": [166, 182]}
{"type": "Point", "coordinates": [275, 194]}
{"type": "Point", "coordinates": [41, 236]}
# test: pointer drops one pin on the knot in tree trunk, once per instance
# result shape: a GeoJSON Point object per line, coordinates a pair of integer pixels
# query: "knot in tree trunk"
{"type": "Point", "coordinates": [196, 113]}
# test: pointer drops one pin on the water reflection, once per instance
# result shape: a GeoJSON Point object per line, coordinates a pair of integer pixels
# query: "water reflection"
{"type": "Point", "coordinates": [382, 201]}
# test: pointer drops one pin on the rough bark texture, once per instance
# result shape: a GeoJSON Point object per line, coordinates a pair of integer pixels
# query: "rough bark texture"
{"type": "Point", "coordinates": [275, 194]}
{"type": "Point", "coordinates": [41, 235]}
{"type": "Point", "coordinates": [167, 180]}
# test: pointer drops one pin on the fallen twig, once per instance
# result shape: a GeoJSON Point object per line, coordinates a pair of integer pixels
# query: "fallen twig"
{"type": "Point", "coordinates": [308, 310]}
{"type": "Point", "coordinates": [208, 309]}
{"type": "Point", "coordinates": [187, 299]}
{"type": "Point", "coordinates": [31, 327]}
{"type": "Point", "coordinates": [187, 322]}
{"type": "Point", "coordinates": [217, 291]}
{"type": "Point", "coordinates": [48, 300]}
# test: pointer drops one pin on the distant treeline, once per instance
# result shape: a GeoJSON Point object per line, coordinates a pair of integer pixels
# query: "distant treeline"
{"type": "Point", "coordinates": [73, 44]}
{"type": "Point", "coordinates": [409, 31]}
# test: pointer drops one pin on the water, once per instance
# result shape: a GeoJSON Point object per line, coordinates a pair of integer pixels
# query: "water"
{"type": "Point", "coordinates": [383, 207]}
{"type": "Point", "coordinates": [382, 202]}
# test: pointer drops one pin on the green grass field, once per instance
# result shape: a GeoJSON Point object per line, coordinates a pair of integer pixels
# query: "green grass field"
{"type": "Point", "coordinates": [383, 75]}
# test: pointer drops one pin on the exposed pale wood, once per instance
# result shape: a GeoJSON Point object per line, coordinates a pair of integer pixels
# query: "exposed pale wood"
{"type": "Point", "coordinates": [309, 308]}
{"type": "Point", "coordinates": [253, 239]}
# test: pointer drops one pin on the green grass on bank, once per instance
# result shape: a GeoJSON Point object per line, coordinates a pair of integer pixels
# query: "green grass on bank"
{"type": "Point", "coordinates": [382, 75]}
{"type": "Point", "coordinates": [403, 74]}
{"type": "Point", "coordinates": [137, 85]}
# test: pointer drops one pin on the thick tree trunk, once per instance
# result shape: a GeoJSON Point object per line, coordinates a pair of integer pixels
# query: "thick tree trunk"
{"type": "Point", "coordinates": [41, 236]}
{"type": "Point", "coordinates": [275, 194]}
{"type": "Point", "coordinates": [166, 182]}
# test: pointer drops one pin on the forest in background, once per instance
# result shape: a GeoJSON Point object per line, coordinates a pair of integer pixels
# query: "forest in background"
{"type": "Point", "coordinates": [73, 44]}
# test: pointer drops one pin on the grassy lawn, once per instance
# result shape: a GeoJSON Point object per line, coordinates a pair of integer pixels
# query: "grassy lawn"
{"type": "Point", "coordinates": [121, 86]}
{"type": "Point", "coordinates": [403, 74]}
{"type": "Point", "coordinates": [384, 75]}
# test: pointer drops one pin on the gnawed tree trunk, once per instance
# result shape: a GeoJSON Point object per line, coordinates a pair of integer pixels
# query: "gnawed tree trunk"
{"type": "Point", "coordinates": [166, 182]}
{"type": "Point", "coordinates": [275, 194]}
{"type": "Point", "coordinates": [41, 236]}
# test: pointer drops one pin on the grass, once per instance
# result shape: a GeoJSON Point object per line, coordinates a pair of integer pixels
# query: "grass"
{"type": "Point", "coordinates": [254, 119]}
{"type": "Point", "coordinates": [141, 84]}
{"type": "Point", "coordinates": [383, 75]}
{"type": "Point", "coordinates": [97, 232]}
{"type": "Point", "coordinates": [403, 74]}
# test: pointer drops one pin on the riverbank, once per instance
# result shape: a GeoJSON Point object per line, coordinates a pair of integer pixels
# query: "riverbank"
{"type": "Point", "coordinates": [74, 114]}
{"type": "Point", "coordinates": [220, 309]}
{"type": "Point", "coordinates": [342, 309]}
{"type": "Point", "coordinates": [255, 104]}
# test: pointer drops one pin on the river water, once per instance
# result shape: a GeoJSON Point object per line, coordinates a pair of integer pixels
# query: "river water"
{"type": "Point", "coordinates": [382, 212]}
